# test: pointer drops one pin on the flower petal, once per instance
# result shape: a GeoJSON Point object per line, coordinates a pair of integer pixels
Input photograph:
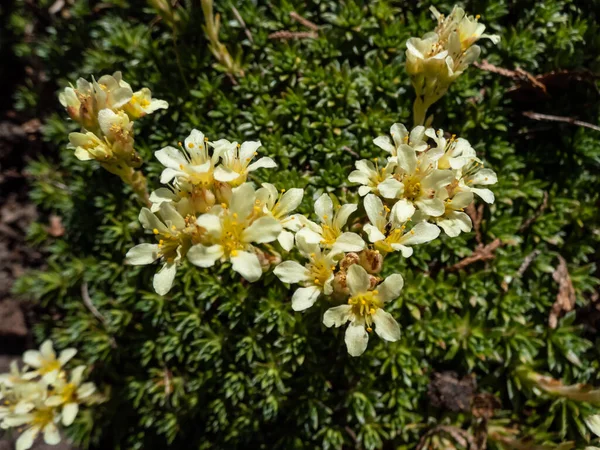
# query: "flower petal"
{"type": "Point", "coordinates": [357, 280]}
{"type": "Point", "coordinates": [292, 272]}
{"type": "Point", "coordinates": [337, 316]}
{"type": "Point", "coordinates": [289, 201]}
{"type": "Point", "coordinates": [384, 143]}
{"type": "Point", "coordinates": [51, 434]}
{"type": "Point", "coordinates": [69, 412]}
{"type": "Point", "coordinates": [349, 242]}
{"type": "Point", "coordinates": [66, 355]}
{"type": "Point", "coordinates": [485, 194]}
{"type": "Point", "coordinates": [341, 217]}
{"type": "Point", "coordinates": [204, 256]}
{"type": "Point", "coordinates": [171, 158]}
{"type": "Point", "coordinates": [225, 174]}
{"type": "Point", "coordinates": [390, 288]}
{"type": "Point", "coordinates": [304, 298]}
{"type": "Point", "coordinates": [402, 211]}
{"type": "Point", "coordinates": [356, 338]}
{"type": "Point", "coordinates": [247, 265]}
{"type": "Point", "coordinates": [248, 149]}
{"type": "Point", "coordinates": [386, 326]}
{"type": "Point", "coordinates": [142, 254]}
{"type": "Point", "coordinates": [390, 188]}
{"type": "Point", "coordinates": [27, 438]}
{"type": "Point", "coordinates": [263, 163]}
{"type": "Point", "coordinates": [286, 240]}
{"type": "Point", "coordinates": [420, 233]}
{"type": "Point", "coordinates": [163, 279]}
{"type": "Point", "coordinates": [263, 229]}
{"type": "Point", "coordinates": [324, 207]}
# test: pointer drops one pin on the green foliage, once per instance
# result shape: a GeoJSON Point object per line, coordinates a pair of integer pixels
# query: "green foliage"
{"type": "Point", "coordinates": [219, 363]}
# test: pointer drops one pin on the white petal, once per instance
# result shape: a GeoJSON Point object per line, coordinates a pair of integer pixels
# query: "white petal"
{"type": "Point", "coordinates": [168, 174]}
{"type": "Point", "coordinates": [225, 175]}
{"type": "Point", "coordinates": [398, 132]}
{"type": "Point", "coordinates": [364, 190]}
{"type": "Point", "coordinates": [356, 338]}
{"type": "Point", "coordinates": [349, 242]}
{"type": "Point", "coordinates": [357, 279]}
{"type": "Point", "coordinates": [51, 434]}
{"type": "Point", "coordinates": [66, 355]}
{"type": "Point", "coordinates": [431, 206]}
{"type": "Point", "coordinates": [263, 229]}
{"type": "Point", "coordinates": [402, 211]}
{"type": "Point", "coordinates": [341, 217]}
{"type": "Point", "coordinates": [69, 412]}
{"type": "Point", "coordinates": [375, 212]}
{"type": "Point", "coordinates": [33, 358]}
{"type": "Point", "coordinates": [385, 326]}
{"type": "Point", "coordinates": [47, 350]}
{"type": "Point", "coordinates": [27, 438]}
{"type": "Point", "coordinates": [462, 199]}
{"type": "Point", "coordinates": [263, 163]}
{"type": "Point", "coordinates": [150, 222]}
{"type": "Point", "coordinates": [324, 207]}
{"type": "Point", "coordinates": [384, 143]}
{"type": "Point", "coordinates": [242, 200]}
{"type": "Point", "coordinates": [420, 233]}
{"type": "Point", "coordinates": [437, 179]}
{"type": "Point", "coordinates": [247, 265]}
{"type": "Point", "coordinates": [337, 316]}
{"type": "Point", "coordinates": [85, 390]}
{"type": "Point", "coordinates": [356, 176]}
{"type": "Point", "coordinates": [248, 149]}
{"type": "Point", "coordinates": [170, 216]}
{"type": "Point", "coordinates": [390, 288]}
{"type": "Point", "coordinates": [142, 254]}
{"type": "Point", "coordinates": [204, 256]}
{"type": "Point", "coordinates": [286, 240]}
{"type": "Point", "coordinates": [373, 233]}
{"type": "Point", "coordinates": [407, 158]}
{"type": "Point", "coordinates": [291, 272]}
{"type": "Point", "coordinates": [304, 298]}
{"type": "Point", "coordinates": [162, 195]}
{"type": "Point", "coordinates": [163, 279]}
{"type": "Point", "coordinates": [390, 188]}
{"type": "Point", "coordinates": [171, 158]}
{"type": "Point", "coordinates": [485, 194]}
{"type": "Point", "coordinates": [211, 223]}
{"type": "Point", "coordinates": [309, 236]}
{"type": "Point", "coordinates": [289, 201]}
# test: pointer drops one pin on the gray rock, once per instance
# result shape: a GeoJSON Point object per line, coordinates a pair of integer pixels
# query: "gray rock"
{"type": "Point", "coordinates": [12, 321]}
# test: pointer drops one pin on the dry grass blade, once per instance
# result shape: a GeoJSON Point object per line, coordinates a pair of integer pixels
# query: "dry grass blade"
{"type": "Point", "coordinates": [565, 299]}
{"type": "Point", "coordinates": [551, 118]}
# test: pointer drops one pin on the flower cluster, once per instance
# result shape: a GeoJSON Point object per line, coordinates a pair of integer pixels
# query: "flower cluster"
{"type": "Point", "coordinates": [209, 212]}
{"type": "Point", "coordinates": [106, 109]}
{"type": "Point", "coordinates": [437, 59]}
{"type": "Point", "coordinates": [427, 179]}
{"type": "Point", "coordinates": [43, 394]}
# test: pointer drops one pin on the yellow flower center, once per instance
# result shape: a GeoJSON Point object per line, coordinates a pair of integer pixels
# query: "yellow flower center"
{"type": "Point", "coordinates": [412, 187]}
{"type": "Point", "coordinates": [365, 305]}
{"type": "Point", "coordinates": [320, 271]}
{"type": "Point", "coordinates": [49, 366]}
{"type": "Point", "coordinates": [69, 392]}
{"type": "Point", "coordinates": [42, 417]}
{"type": "Point", "coordinates": [231, 235]}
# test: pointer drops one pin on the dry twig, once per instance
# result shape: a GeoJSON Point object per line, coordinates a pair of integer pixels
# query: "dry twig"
{"type": "Point", "coordinates": [551, 118]}
{"type": "Point", "coordinates": [286, 35]}
{"type": "Point", "coordinates": [239, 18]}
{"type": "Point", "coordinates": [307, 23]}
{"type": "Point", "coordinates": [87, 301]}
{"type": "Point", "coordinates": [517, 74]}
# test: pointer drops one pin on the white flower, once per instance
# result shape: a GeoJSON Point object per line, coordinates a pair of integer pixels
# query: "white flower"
{"type": "Point", "coordinates": [194, 165]}
{"type": "Point", "coordinates": [39, 420]}
{"type": "Point", "coordinates": [364, 309]}
{"type": "Point", "coordinates": [388, 232]}
{"type": "Point", "coordinates": [235, 161]}
{"type": "Point", "coordinates": [231, 231]}
{"type": "Point", "coordinates": [174, 234]}
{"type": "Point", "coordinates": [89, 146]}
{"type": "Point", "coordinates": [425, 56]}
{"type": "Point", "coordinates": [45, 362]}
{"type": "Point", "coordinates": [142, 103]}
{"type": "Point", "coordinates": [15, 376]}
{"type": "Point", "coordinates": [329, 234]}
{"type": "Point", "coordinates": [455, 220]}
{"type": "Point", "coordinates": [315, 276]}
{"type": "Point", "coordinates": [400, 137]}
{"type": "Point", "coordinates": [279, 207]}
{"type": "Point", "coordinates": [369, 175]}
{"type": "Point", "coordinates": [418, 180]}
{"type": "Point", "coordinates": [70, 395]}
{"type": "Point", "coordinates": [593, 423]}
{"type": "Point", "coordinates": [473, 175]}
{"type": "Point", "coordinates": [455, 152]}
